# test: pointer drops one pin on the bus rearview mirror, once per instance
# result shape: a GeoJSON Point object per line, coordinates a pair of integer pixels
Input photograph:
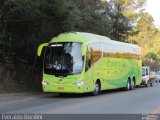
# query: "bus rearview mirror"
{"type": "Point", "coordinates": [40, 48]}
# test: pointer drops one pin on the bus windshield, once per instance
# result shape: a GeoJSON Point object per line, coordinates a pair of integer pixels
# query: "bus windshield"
{"type": "Point", "coordinates": [62, 59]}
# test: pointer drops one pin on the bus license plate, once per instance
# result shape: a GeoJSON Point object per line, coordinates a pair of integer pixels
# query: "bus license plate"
{"type": "Point", "coordinates": [60, 88]}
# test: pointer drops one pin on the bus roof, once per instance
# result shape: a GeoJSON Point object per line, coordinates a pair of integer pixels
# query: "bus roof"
{"type": "Point", "coordinates": [91, 38]}
{"type": "Point", "coordinates": [76, 37]}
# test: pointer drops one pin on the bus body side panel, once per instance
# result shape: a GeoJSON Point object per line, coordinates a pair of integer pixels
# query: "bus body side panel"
{"type": "Point", "coordinates": [89, 78]}
{"type": "Point", "coordinates": [114, 72]}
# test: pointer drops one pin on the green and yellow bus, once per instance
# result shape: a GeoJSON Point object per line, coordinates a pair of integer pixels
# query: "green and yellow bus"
{"type": "Point", "coordinates": [79, 62]}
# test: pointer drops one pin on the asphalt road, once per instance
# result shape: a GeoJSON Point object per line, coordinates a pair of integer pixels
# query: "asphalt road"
{"type": "Point", "coordinates": [139, 101]}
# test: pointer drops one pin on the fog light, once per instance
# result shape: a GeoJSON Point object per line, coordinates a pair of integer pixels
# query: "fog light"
{"type": "Point", "coordinates": [45, 83]}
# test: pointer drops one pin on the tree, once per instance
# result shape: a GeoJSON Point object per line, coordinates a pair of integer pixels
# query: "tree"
{"type": "Point", "coordinates": [156, 43]}
{"type": "Point", "coordinates": [90, 17]}
{"type": "Point", "coordinates": [145, 32]}
{"type": "Point", "coordinates": [123, 15]}
{"type": "Point", "coordinates": [152, 55]}
{"type": "Point", "coordinates": [30, 23]}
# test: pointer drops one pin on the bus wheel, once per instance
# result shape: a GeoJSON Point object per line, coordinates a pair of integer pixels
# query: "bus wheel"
{"type": "Point", "coordinates": [96, 89]}
{"type": "Point", "coordinates": [132, 84]}
{"type": "Point", "coordinates": [128, 86]}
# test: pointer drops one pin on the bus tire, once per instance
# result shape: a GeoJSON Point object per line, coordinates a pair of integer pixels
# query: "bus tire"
{"type": "Point", "coordinates": [97, 88]}
{"type": "Point", "coordinates": [128, 86]}
{"type": "Point", "coordinates": [132, 84]}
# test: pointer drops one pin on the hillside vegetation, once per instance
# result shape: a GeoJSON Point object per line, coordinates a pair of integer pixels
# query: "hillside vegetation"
{"type": "Point", "coordinates": [24, 24]}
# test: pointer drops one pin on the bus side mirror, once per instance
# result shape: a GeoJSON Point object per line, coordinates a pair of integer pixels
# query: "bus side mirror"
{"type": "Point", "coordinates": [40, 48]}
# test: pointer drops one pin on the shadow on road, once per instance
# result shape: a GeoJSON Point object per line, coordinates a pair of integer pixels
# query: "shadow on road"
{"type": "Point", "coordinates": [84, 95]}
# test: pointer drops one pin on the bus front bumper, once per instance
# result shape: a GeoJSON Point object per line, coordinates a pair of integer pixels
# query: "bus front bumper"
{"type": "Point", "coordinates": [61, 88]}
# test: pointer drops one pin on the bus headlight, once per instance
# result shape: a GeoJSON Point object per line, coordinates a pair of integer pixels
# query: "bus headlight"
{"type": "Point", "coordinates": [45, 83]}
{"type": "Point", "coordinates": [79, 83]}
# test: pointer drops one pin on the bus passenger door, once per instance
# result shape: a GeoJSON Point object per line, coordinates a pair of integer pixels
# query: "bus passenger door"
{"type": "Point", "coordinates": [88, 73]}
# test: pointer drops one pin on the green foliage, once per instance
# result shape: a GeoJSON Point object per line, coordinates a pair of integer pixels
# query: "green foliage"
{"type": "Point", "coordinates": [145, 63]}
{"type": "Point", "coordinates": [123, 15]}
{"type": "Point", "coordinates": [156, 43]}
{"type": "Point", "coordinates": [144, 32]}
{"type": "Point", "coordinates": [31, 22]}
{"type": "Point", "coordinates": [152, 55]}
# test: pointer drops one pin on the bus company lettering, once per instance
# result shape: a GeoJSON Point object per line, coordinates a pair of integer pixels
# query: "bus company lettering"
{"type": "Point", "coordinates": [115, 64]}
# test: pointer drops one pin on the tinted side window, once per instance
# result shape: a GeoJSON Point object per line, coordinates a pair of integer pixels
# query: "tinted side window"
{"type": "Point", "coordinates": [108, 50]}
{"type": "Point", "coordinates": [95, 52]}
{"type": "Point", "coordinates": [118, 51]}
